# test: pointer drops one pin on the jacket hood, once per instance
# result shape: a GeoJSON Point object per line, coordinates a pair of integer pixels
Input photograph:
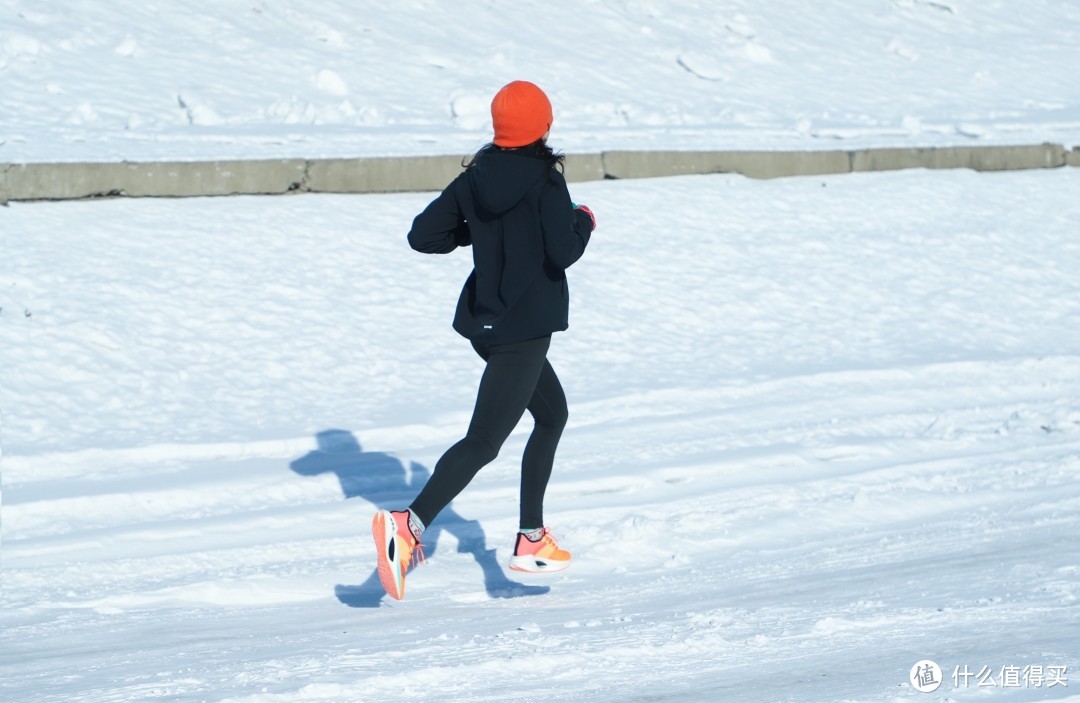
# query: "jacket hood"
{"type": "Point", "coordinates": [500, 179]}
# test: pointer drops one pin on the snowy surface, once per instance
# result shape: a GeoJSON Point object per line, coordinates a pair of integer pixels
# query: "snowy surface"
{"type": "Point", "coordinates": [820, 429]}
{"type": "Point", "coordinates": [208, 79]}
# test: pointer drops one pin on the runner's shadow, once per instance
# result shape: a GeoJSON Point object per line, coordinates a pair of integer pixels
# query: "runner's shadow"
{"type": "Point", "coordinates": [383, 480]}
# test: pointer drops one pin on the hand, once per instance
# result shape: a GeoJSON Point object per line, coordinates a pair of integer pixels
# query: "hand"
{"type": "Point", "coordinates": [587, 211]}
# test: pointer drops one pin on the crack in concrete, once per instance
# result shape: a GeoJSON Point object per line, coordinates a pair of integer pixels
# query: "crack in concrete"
{"type": "Point", "coordinates": [4, 168]}
{"type": "Point", "coordinates": [304, 186]}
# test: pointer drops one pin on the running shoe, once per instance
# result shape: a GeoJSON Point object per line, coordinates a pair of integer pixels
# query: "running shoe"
{"type": "Point", "coordinates": [540, 556]}
{"type": "Point", "coordinates": [397, 549]}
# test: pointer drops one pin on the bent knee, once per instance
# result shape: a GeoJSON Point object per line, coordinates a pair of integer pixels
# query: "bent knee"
{"type": "Point", "coordinates": [553, 419]}
{"type": "Point", "coordinates": [482, 449]}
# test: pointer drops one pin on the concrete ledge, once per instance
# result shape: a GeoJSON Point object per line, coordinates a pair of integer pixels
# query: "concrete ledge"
{"type": "Point", "coordinates": [754, 164]}
{"type": "Point", "coordinates": [69, 181]}
{"type": "Point", "coordinates": [1002, 158]}
{"type": "Point", "coordinates": [431, 173]}
{"type": "Point", "coordinates": [584, 167]}
{"type": "Point", "coordinates": [381, 175]}
{"type": "Point", "coordinates": [418, 173]}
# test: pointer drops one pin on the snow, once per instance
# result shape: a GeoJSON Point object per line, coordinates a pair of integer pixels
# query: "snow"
{"type": "Point", "coordinates": [821, 428]}
{"type": "Point", "coordinates": [213, 79]}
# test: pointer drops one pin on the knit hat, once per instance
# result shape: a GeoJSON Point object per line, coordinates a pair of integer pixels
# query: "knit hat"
{"type": "Point", "coordinates": [521, 114]}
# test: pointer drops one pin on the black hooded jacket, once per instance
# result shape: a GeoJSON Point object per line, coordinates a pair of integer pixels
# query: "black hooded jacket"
{"type": "Point", "coordinates": [514, 209]}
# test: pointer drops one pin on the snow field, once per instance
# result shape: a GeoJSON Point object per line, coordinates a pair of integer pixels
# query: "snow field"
{"type": "Point", "coordinates": [206, 79]}
{"type": "Point", "coordinates": [820, 429]}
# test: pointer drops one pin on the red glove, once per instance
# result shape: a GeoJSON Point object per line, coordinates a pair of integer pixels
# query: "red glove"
{"type": "Point", "coordinates": [587, 211]}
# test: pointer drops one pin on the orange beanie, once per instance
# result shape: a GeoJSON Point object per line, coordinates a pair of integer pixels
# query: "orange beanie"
{"type": "Point", "coordinates": [521, 114]}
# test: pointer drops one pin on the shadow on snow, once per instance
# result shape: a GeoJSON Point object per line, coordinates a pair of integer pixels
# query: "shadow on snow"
{"type": "Point", "coordinates": [383, 480]}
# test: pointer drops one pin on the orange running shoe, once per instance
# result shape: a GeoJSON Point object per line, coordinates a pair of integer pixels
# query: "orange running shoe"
{"type": "Point", "coordinates": [540, 556]}
{"type": "Point", "coordinates": [397, 549]}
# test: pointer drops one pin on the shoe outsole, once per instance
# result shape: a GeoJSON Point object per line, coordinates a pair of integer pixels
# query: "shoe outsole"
{"type": "Point", "coordinates": [537, 565]}
{"type": "Point", "coordinates": [384, 530]}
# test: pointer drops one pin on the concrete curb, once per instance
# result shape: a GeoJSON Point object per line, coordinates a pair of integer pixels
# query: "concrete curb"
{"type": "Point", "coordinates": [381, 175]}
{"type": "Point", "coordinates": [66, 181]}
{"type": "Point", "coordinates": [83, 180]}
{"type": "Point", "coordinates": [754, 164]}
{"type": "Point", "coordinates": [1003, 158]}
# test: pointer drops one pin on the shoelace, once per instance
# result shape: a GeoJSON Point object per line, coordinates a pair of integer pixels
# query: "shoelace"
{"type": "Point", "coordinates": [417, 557]}
{"type": "Point", "coordinates": [548, 538]}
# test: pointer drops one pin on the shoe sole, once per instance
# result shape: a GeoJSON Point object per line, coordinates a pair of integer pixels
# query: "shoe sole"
{"type": "Point", "coordinates": [384, 530]}
{"type": "Point", "coordinates": [537, 565]}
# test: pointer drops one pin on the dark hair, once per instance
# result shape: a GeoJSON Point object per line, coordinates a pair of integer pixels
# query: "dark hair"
{"type": "Point", "coordinates": [540, 148]}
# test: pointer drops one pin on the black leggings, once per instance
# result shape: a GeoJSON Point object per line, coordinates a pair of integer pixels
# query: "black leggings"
{"type": "Point", "coordinates": [518, 377]}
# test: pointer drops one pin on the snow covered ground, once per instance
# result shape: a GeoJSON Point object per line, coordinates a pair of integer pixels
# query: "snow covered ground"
{"type": "Point", "coordinates": [219, 79]}
{"type": "Point", "coordinates": [820, 429]}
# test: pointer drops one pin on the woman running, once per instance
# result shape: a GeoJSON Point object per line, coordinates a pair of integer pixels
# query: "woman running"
{"type": "Point", "coordinates": [511, 204]}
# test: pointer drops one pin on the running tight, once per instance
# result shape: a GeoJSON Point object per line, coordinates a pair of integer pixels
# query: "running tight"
{"type": "Point", "coordinates": [517, 378]}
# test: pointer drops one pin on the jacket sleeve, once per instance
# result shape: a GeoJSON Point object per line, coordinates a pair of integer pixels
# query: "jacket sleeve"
{"type": "Point", "coordinates": [441, 227]}
{"type": "Point", "coordinates": [566, 230]}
